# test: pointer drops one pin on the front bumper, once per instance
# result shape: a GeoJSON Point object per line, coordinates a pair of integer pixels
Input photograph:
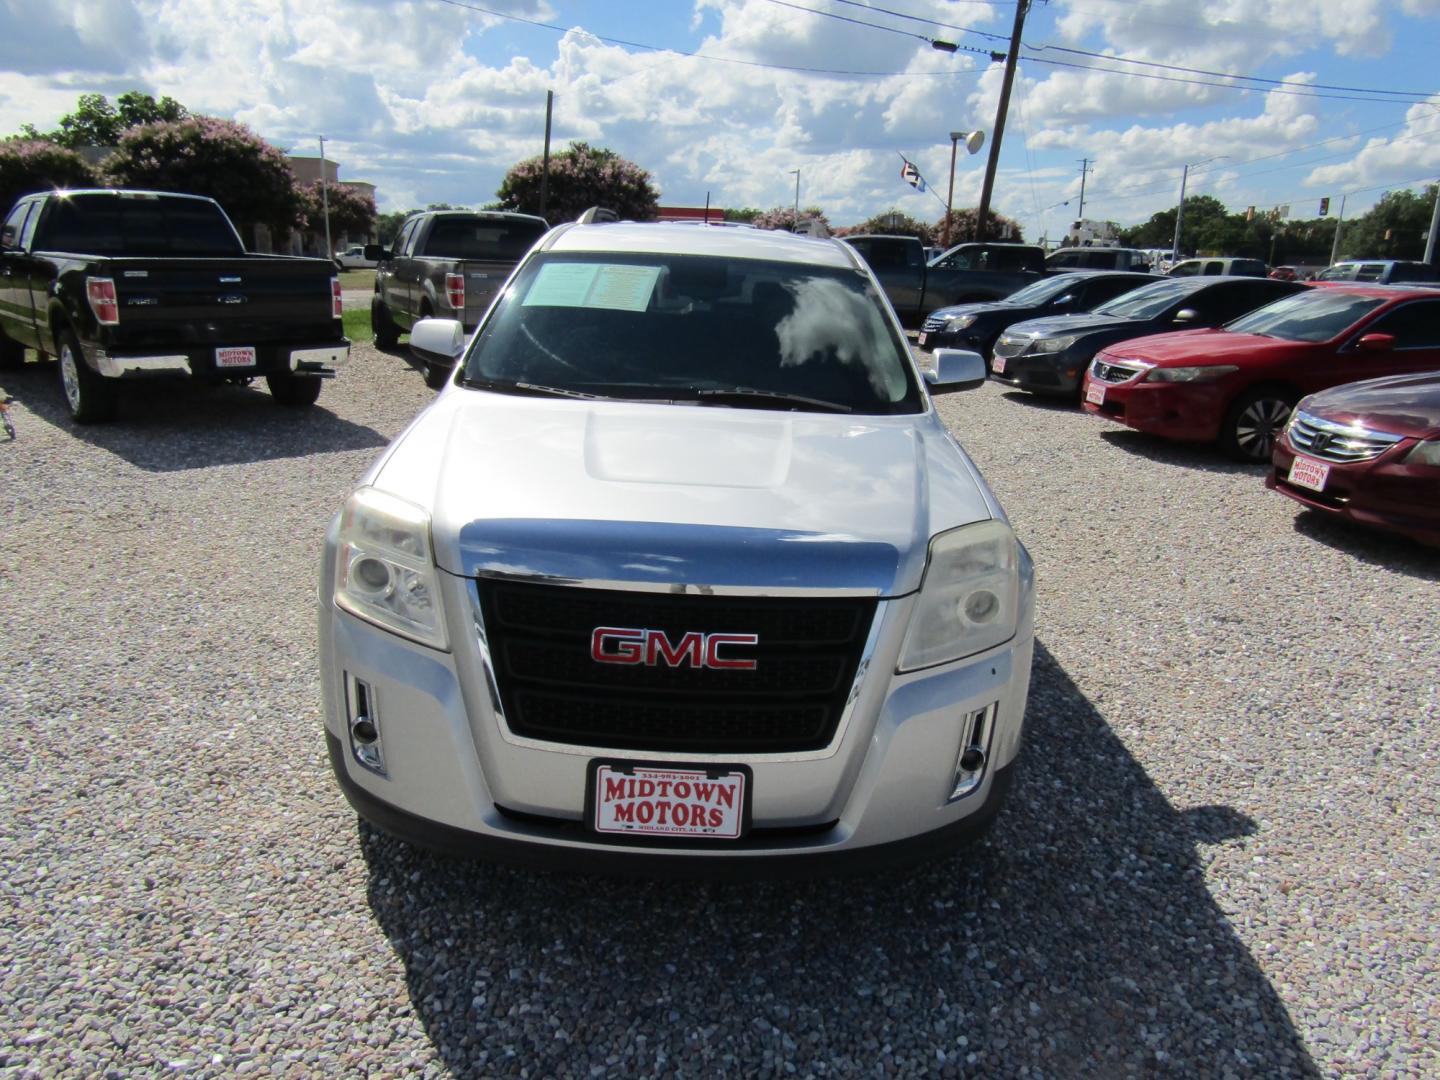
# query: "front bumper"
{"type": "Point", "coordinates": [1189, 412]}
{"type": "Point", "coordinates": [455, 777]}
{"type": "Point", "coordinates": [1383, 493]}
{"type": "Point", "coordinates": [1059, 374]}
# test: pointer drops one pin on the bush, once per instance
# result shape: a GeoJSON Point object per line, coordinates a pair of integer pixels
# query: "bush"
{"type": "Point", "coordinates": [351, 212]}
{"type": "Point", "coordinates": [581, 177]}
{"type": "Point", "coordinates": [28, 165]}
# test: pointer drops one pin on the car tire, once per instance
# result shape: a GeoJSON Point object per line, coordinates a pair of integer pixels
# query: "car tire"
{"type": "Point", "coordinates": [437, 375]}
{"type": "Point", "coordinates": [387, 334]}
{"type": "Point", "coordinates": [12, 353]}
{"type": "Point", "coordinates": [90, 396]}
{"type": "Point", "coordinates": [1254, 421]}
{"type": "Point", "coordinates": [295, 391]}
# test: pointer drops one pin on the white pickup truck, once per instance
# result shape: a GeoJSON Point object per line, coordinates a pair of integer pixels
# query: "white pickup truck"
{"type": "Point", "coordinates": [680, 571]}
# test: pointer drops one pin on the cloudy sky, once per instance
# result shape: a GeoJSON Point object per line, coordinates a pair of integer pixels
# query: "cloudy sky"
{"type": "Point", "coordinates": [432, 100]}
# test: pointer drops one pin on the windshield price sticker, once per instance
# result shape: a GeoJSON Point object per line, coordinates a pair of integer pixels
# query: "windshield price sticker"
{"type": "Point", "coordinates": [1309, 474]}
{"type": "Point", "coordinates": [239, 356]}
{"type": "Point", "coordinates": [1095, 393]}
{"type": "Point", "coordinates": [610, 286]}
{"type": "Point", "coordinates": [658, 801]}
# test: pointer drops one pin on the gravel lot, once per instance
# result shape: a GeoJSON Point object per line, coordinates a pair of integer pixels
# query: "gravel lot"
{"type": "Point", "coordinates": [1220, 858]}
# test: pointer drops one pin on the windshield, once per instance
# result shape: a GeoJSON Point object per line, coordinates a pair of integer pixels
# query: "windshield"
{"type": "Point", "coordinates": [1042, 290]}
{"type": "Point", "coordinates": [1313, 315]}
{"type": "Point", "coordinates": [717, 331]}
{"type": "Point", "coordinates": [1147, 301]}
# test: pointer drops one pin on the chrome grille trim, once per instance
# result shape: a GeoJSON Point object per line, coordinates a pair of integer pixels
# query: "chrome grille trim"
{"type": "Point", "coordinates": [1341, 443]}
{"type": "Point", "coordinates": [932, 324]}
{"type": "Point", "coordinates": [1110, 372]}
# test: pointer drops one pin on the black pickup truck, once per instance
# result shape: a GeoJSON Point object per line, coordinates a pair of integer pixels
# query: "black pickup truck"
{"type": "Point", "coordinates": [966, 273]}
{"type": "Point", "coordinates": [128, 284]}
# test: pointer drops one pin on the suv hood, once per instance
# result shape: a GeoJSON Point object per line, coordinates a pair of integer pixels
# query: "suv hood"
{"type": "Point", "coordinates": [678, 496]}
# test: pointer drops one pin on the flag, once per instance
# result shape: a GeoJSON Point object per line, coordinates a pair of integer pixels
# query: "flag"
{"type": "Point", "coordinates": [910, 173]}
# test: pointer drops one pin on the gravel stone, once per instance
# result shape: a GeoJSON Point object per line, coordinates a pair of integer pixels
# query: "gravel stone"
{"type": "Point", "coordinates": [1219, 859]}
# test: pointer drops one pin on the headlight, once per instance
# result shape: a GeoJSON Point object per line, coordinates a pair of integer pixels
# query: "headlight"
{"type": "Point", "coordinates": [1208, 373]}
{"type": "Point", "coordinates": [1055, 344]}
{"type": "Point", "coordinates": [1425, 453]}
{"type": "Point", "coordinates": [385, 570]}
{"type": "Point", "coordinates": [970, 597]}
{"type": "Point", "coordinates": [960, 322]}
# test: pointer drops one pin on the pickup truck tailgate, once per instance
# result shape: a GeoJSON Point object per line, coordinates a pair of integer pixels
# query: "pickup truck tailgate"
{"type": "Point", "coordinates": [483, 279]}
{"type": "Point", "coordinates": [220, 300]}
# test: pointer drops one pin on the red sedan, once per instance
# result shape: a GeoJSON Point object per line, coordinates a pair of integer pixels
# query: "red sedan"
{"type": "Point", "coordinates": [1368, 452]}
{"type": "Point", "coordinates": [1237, 384]}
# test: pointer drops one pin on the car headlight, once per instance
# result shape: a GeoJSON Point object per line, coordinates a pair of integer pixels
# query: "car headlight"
{"type": "Point", "coordinates": [1425, 453]}
{"type": "Point", "coordinates": [385, 569]}
{"type": "Point", "coordinates": [1208, 373]}
{"type": "Point", "coordinates": [1055, 344]}
{"type": "Point", "coordinates": [969, 599]}
{"type": "Point", "coordinates": [959, 322]}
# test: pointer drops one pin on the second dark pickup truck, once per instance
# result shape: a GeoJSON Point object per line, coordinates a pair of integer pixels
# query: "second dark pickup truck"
{"type": "Point", "coordinates": [126, 284]}
{"type": "Point", "coordinates": [964, 274]}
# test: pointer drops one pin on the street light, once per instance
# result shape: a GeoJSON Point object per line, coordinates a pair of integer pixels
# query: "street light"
{"type": "Point", "coordinates": [973, 141]}
{"type": "Point", "coordinates": [1180, 210]}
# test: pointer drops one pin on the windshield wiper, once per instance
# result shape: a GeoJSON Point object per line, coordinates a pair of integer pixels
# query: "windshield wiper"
{"type": "Point", "coordinates": [534, 389]}
{"type": "Point", "coordinates": [748, 396]}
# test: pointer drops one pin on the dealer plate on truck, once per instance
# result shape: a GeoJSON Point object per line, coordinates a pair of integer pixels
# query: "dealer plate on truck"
{"type": "Point", "coordinates": [235, 356]}
{"type": "Point", "coordinates": [668, 801]}
{"type": "Point", "coordinates": [1309, 474]}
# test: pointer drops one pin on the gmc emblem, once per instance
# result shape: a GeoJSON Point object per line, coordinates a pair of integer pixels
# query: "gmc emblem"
{"type": "Point", "coordinates": [624, 645]}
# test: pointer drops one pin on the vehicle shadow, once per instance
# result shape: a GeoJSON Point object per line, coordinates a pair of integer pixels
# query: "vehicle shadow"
{"type": "Point", "coordinates": [169, 426]}
{"type": "Point", "coordinates": [1396, 553]}
{"type": "Point", "coordinates": [1079, 939]}
{"type": "Point", "coordinates": [1048, 402]}
{"type": "Point", "coordinates": [1172, 452]}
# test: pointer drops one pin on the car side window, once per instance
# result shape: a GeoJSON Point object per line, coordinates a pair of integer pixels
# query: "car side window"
{"type": "Point", "coordinates": [1415, 325]}
{"type": "Point", "coordinates": [1097, 292]}
{"type": "Point", "coordinates": [1221, 303]}
{"type": "Point", "coordinates": [1214, 268]}
{"type": "Point", "coordinates": [1370, 272]}
{"type": "Point", "coordinates": [12, 232]}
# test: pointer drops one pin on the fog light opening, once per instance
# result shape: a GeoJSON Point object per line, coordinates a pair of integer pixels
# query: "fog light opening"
{"type": "Point", "coordinates": [365, 744]}
{"type": "Point", "coordinates": [974, 755]}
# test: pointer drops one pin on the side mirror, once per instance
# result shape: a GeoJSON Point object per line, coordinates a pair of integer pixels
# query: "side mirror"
{"type": "Point", "coordinates": [376, 253]}
{"type": "Point", "coordinates": [1376, 342]}
{"type": "Point", "coordinates": [955, 369]}
{"type": "Point", "coordinates": [437, 341]}
{"type": "Point", "coordinates": [1186, 315]}
{"type": "Point", "coordinates": [1061, 301]}
{"type": "Point", "coordinates": [7, 237]}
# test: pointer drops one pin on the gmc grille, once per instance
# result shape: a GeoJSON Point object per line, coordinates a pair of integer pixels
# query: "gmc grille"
{"type": "Point", "coordinates": [1337, 442]}
{"type": "Point", "coordinates": [551, 689]}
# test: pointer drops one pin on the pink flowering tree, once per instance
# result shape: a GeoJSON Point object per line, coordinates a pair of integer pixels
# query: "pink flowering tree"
{"type": "Point", "coordinates": [894, 223]}
{"type": "Point", "coordinates": [581, 177]}
{"type": "Point", "coordinates": [962, 227]}
{"type": "Point", "coordinates": [783, 218]}
{"type": "Point", "coordinates": [352, 211]}
{"type": "Point", "coordinates": [202, 155]}
{"type": "Point", "coordinates": [28, 165]}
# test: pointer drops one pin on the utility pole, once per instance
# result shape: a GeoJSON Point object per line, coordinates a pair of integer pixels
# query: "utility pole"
{"type": "Point", "coordinates": [1021, 7]}
{"type": "Point", "coordinates": [1179, 216]}
{"type": "Point", "coordinates": [545, 165]}
{"type": "Point", "coordinates": [1434, 229]}
{"type": "Point", "coordinates": [325, 198]}
{"type": "Point", "coordinates": [1340, 220]}
{"type": "Point", "coordinates": [950, 196]}
{"type": "Point", "coordinates": [796, 221]}
{"type": "Point", "coordinates": [1084, 168]}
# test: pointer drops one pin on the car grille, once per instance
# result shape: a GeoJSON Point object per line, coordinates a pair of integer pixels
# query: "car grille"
{"type": "Point", "coordinates": [1009, 346]}
{"type": "Point", "coordinates": [551, 688]}
{"type": "Point", "coordinates": [1337, 442]}
{"type": "Point", "coordinates": [1109, 372]}
{"type": "Point", "coordinates": [934, 324]}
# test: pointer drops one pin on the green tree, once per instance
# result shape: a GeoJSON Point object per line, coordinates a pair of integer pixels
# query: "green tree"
{"type": "Point", "coordinates": [1394, 228]}
{"type": "Point", "coordinates": [387, 226]}
{"type": "Point", "coordinates": [784, 219]}
{"type": "Point", "coordinates": [744, 214]}
{"type": "Point", "coordinates": [894, 223]}
{"type": "Point", "coordinates": [581, 176]}
{"type": "Point", "coordinates": [28, 165]}
{"type": "Point", "coordinates": [96, 122]}
{"type": "Point", "coordinates": [205, 156]}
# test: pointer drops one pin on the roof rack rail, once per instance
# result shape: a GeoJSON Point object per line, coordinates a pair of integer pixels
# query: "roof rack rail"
{"type": "Point", "coordinates": [597, 215]}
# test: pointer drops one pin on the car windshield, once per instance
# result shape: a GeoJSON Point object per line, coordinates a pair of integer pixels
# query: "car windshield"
{"type": "Point", "coordinates": [1313, 315]}
{"type": "Point", "coordinates": [701, 329]}
{"type": "Point", "coordinates": [1147, 301]}
{"type": "Point", "coordinates": [1042, 290]}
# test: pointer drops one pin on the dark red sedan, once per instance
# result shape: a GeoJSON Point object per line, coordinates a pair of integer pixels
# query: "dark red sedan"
{"type": "Point", "coordinates": [1368, 452]}
{"type": "Point", "coordinates": [1237, 384]}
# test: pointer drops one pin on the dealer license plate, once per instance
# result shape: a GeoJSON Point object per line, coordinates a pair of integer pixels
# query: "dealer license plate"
{"type": "Point", "coordinates": [998, 365]}
{"type": "Point", "coordinates": [920, 340]}
{"type": "Point", "coordinates": [1095, 393]}
{"type": "Point", "coordinates": [1309, 474]}
{"type": "Point", "coordinates": [658, 800]}
{"type": "Point", "coordinates": [235, 356]}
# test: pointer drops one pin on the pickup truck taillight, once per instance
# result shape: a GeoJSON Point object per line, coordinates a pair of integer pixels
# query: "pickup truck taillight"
{"type": "Point", "coordinates": [101, 292]}
{"type": "Point", "coordinates": [337, 309]}
{"type": "Point", "coordinates": [455, 290]}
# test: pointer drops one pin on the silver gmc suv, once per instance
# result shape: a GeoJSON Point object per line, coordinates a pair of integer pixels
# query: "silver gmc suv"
{"type": "Point", "coordinates": [681, 571]}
